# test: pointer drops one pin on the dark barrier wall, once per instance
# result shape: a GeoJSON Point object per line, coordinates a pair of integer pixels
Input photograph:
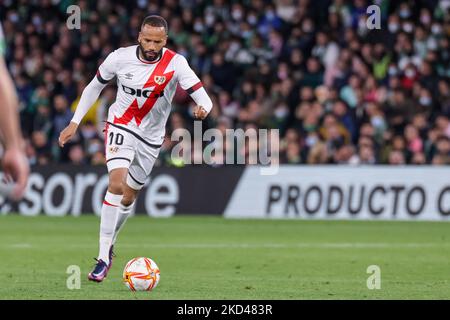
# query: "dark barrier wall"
{"type": "Point", "coordinates": [67, 189]}
{"type": "Point", "coordinates": [294, 192]}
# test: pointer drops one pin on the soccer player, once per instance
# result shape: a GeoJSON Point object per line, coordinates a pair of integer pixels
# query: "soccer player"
{"type": "Point", "coordinates": [147, 76]}
{"type": "Point", "coordinates": [14, 163]}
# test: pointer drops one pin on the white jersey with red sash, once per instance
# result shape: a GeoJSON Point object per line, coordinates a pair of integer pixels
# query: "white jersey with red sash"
{"type": "Point", "coordinates": [145, 89]}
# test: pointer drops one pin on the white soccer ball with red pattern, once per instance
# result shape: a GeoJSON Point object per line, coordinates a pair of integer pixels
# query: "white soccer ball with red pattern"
{"type": "Point", "coordinates": [141, 274]}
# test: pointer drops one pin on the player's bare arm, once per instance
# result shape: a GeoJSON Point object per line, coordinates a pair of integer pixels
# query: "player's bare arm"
{"type": "Point", "coordinates": [14, 162]}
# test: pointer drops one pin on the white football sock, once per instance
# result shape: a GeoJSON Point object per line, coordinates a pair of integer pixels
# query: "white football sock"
{"type": "Point", "coordinates": [108, 220]}
{"type": "Point", "coordinates": [124, 212]}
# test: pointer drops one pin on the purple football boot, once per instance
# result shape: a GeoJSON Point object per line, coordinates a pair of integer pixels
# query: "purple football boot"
{"type": "Point", "coordinates": [100, 271]}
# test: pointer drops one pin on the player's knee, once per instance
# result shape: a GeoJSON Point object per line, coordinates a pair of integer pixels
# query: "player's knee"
{"type": "Point", "coordinates": [128, 199]}
{"type": "Point", "coordinates": [129, 196]}
{"type": "Point", "coordinates": [115, 187]}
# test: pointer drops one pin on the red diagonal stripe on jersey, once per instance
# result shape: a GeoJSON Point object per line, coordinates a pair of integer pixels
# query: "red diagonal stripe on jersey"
{"type": "Point", "coordinates": [133, 110]}
{"type": "Point", "coordinates": [162, 65]}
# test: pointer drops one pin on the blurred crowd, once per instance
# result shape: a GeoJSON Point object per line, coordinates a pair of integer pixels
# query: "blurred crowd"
{"type": "Point", "coordinates": [338, 91]}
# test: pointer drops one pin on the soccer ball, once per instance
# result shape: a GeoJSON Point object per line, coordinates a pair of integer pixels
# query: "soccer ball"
{"type": "Point", "coordinates": [141, 274]}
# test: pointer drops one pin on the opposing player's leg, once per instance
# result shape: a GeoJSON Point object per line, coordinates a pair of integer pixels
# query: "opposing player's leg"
{"type": "Point", "coordinates": [119, 154]}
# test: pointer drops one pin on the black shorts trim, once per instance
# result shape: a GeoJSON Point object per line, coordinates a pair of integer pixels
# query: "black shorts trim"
{"type": "Point", "coordinates": [118, 158]}
{"type": "Point", "coordinates": [139, 183]}
{"type": "Point", "coordinates": [156, 146]}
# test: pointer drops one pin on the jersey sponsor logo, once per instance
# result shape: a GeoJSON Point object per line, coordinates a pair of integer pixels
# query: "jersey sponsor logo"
{"type": "Point", "coordinates": [138, 113]}
{"type": "Point", "coordinates": [137, 92]}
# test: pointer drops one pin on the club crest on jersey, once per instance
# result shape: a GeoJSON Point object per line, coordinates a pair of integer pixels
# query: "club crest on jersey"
{"type": "Point", "coordinates": [160, 79]}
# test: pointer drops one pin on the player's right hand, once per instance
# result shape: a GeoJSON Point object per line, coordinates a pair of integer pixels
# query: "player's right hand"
{"type": "Point", "coordinates": [15, 165]}
{"type": "Point", "coordinates": [67, 133]}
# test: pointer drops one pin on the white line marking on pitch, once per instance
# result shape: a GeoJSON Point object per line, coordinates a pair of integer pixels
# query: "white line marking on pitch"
{"type": "Point", "coordinates": [337, 245]}
{"type": "Point", "coordinates": [344, 245]}
{"type": "Point", "coordinates": [18, 246]}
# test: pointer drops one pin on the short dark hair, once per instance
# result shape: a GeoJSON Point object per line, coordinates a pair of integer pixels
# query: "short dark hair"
{"type": "Point", "coordinates": [156, 21]}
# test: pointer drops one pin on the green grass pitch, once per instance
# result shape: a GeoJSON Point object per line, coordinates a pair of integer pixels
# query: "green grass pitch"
{"type": "Point", "coordinates": [215, 258]}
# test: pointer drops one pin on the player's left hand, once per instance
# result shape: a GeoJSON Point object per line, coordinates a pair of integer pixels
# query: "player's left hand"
{"type": "Point", "coordinates": [200, 112]}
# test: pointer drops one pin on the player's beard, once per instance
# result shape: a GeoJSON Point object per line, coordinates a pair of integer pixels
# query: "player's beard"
{"type": "Point", "coordinates": [150, 55]}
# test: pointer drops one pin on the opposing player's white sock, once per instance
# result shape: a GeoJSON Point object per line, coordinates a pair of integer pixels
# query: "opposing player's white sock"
{"type": "Point", "coordinates": [122, 216]}
{"type": "Point", "coordinates": [108, 220]}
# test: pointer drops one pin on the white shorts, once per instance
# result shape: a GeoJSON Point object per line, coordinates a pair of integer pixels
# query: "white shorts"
{"type": "Point", "coordinates": [126, 149]}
